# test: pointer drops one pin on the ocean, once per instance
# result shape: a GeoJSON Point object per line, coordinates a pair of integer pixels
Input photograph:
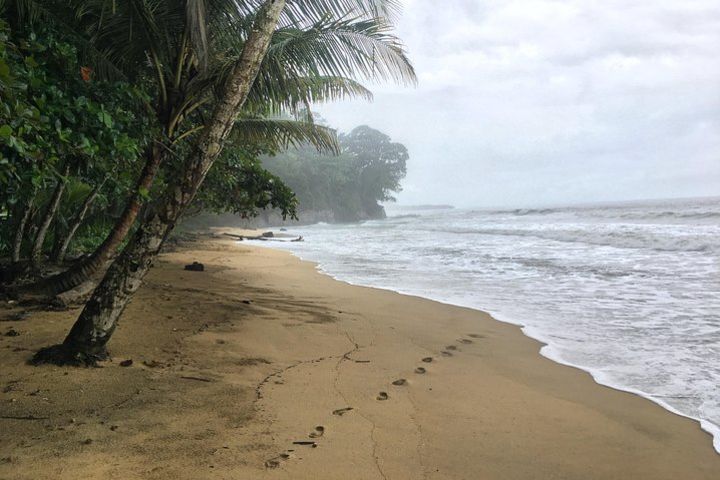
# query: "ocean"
{"type": "Point", "coordinates": [629, 292]}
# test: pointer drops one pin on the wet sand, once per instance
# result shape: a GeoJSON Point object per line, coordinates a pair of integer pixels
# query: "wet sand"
{"type": "Point", "coordinates": [260, 367]}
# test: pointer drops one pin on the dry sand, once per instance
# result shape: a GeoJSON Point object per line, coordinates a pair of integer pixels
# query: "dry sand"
{"type": "Point", "coordinates": [220, 388]}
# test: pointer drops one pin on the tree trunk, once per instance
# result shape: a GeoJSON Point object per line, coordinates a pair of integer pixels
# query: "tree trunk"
{"type": "Point", "coordinates": [87, 340]}
{"type": "Point", "coordinates": [20, 232]}
{"type": "Point", "coordinates": [95, 264]}
{"type": "Point", "coordinates": [62, 246]}
{"type": "Point", "coordinates": [52, 209]}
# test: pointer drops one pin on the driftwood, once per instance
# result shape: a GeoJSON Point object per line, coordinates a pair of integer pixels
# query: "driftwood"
{"type": "Point", "coordinates": [197, 379]}
{"type": "Point", "coordinates": [264, 237]}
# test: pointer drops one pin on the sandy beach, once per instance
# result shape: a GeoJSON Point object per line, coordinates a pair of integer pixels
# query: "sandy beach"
{"type": "Point", "coordinates": [261, 367]}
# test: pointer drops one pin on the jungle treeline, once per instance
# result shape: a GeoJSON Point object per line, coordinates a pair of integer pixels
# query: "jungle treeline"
{"type": "Point", "coordinates": [347, 186]}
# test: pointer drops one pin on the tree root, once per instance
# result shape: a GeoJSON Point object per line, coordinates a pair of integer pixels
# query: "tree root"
{"type": "Point", "coordinates": [65, 355]}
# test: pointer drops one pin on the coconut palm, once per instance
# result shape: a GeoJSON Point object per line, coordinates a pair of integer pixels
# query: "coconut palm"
{"type": "Point", "coordinates": [204, 57]}
{"type": "Point", "coordinates": [311, 58]}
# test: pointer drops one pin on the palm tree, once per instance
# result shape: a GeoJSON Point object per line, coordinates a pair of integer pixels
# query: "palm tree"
{"type": "Point", "coordinates": [311, 58]}
{"type": "Point", "coordinates": [214, 53]}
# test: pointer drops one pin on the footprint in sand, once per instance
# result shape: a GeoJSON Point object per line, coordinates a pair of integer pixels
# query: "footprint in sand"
{"type": "Point", "coordinates": [342, 411]}
{"type": "Point", "coordinates": [399, 382]}
{"type": "Point", "coordinates": [445, 353]}
{"type": "Point", "coordinates": [276, 461]}
{"type": "Point", "coordinates": [420, 370]}
{"type": "Point", "coordinates": [427, 359]}
{"type": "Point", "coordinates": [451, 347]}
{"type": "Point", "coordinates": [465, 341]}
{"type": "Point", "coordinates": [383, 396]}
{"type": "Point", "coordinates": [318, 432]}
{"type": "Point", "coordinates": [475, 335]}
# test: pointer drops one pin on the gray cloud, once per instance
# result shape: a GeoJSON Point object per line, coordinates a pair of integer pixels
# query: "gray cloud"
{"type": "Point", "coordinates": [527, 102]}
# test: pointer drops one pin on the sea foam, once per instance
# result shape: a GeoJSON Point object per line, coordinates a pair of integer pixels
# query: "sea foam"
{"type": "Point", "coordinates": [628, 292]}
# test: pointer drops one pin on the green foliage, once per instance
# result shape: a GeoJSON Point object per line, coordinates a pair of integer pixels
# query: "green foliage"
{"type": "Point", "coordinates": [368, 170]}
{"type": "Point", "coordinates": [50, 114]}
{"type": "Point", "coordinates": [89, 84]}
{"type": "Point", "coordinates": [238, 183]}
{"type": "Point", "coordinates": [51, 118]}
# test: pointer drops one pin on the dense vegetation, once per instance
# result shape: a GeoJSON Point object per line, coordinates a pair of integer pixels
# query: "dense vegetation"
{"type": "Point", "coordinates": [62, 138]}
{"type": "Point", "coordinates": [348, 185]}
{"type": "Point", "coordinates": [117, 118]}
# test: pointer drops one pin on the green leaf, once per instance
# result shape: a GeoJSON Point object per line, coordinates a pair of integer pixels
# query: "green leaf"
{"type": "Point", "coordinates": [106, 119]}
{"type": "Point", "coordinates": [30, 62]}
{"type": "Point", "coordinates": [6, 131]}
{"type": "Point", "coordinates": [4, 70]}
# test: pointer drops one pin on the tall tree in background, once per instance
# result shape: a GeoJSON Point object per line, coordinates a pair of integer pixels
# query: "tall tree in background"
{"type": "Point", "coordinates": [380, 162]}
{"type": "Point", "coordinates": [348, 187]}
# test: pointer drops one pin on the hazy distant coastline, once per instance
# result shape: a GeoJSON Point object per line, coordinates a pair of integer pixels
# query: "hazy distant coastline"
{"type": "Point", "coordinates": [423, 207]}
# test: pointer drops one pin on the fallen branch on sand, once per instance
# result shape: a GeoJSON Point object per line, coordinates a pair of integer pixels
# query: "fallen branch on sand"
{"type": "Point", "coordinates": [263, 237]}
{"type": "Point", "coordinates": [198, 379]}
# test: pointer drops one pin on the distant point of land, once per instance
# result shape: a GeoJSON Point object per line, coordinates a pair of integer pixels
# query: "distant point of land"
{"type": "Point", "coordinates": [425, 207]}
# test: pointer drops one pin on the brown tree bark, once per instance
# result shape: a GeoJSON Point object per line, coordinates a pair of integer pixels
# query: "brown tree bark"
{"type": "Point", "coordinates": [52, 209]}
{"type": "Point", "coordinates": [87, 340]}
{"type": "Point", "coordinates": [22, 226]}
{"type": "Point", "coordinates": [96, 263]}
{"type": "Point", "coordinates": [58, 255]}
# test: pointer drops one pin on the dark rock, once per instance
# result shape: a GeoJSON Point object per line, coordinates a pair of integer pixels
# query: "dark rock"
{"type": "Point", "coordinates": [126, 363]}
{"type": "Point", "coordinates": [12, 333]}
{"type": "Point", "coordinates": [268, 234]}
{"type": "Point", "coordinates": [195, 267]}
{"type": "Point", "coordinates": [246, 302]}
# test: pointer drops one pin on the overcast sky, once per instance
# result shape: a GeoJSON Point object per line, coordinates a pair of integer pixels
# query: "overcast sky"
{"type": "Point", "coordinates": [536, 102]}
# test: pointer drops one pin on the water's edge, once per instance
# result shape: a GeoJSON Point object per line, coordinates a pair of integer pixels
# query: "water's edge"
{"type": "Point", "coordinates": [546, 349]}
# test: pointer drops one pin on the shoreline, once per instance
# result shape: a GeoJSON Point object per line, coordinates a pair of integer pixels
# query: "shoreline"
{"type": "Point", "coordinates": [545, 347]}
{"type": "Point", "coordinates": [234, 365]}
{"type": "Point", "coordinates": [546, 350]}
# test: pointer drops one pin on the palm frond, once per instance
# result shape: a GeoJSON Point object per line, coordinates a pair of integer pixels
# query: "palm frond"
{"type": "Point", "coordinates": [352, 48]}
{"type": "Point", "coordinates": [304, 12]}
{"type": "Point", "coordinates": [274, 95]}
{"type": "Point", "coordinates": [285, 133]}
{"type": "Point", "coordinates": [27, 11]}
{"type": "Point", "coordinates": [299, 10]}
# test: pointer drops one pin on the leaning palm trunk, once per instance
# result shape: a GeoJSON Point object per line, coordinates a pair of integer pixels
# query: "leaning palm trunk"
{"type": "Point", "coordinates": [22, 226]}
{"type": "Point", "coordinates": [95, 264]}
{"type": "Point", "coordinates": [87, 340]}
{"type": "Point", "coordinates": [52, 209]}
{"type": "Point", "coordinates": [62, 245]}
